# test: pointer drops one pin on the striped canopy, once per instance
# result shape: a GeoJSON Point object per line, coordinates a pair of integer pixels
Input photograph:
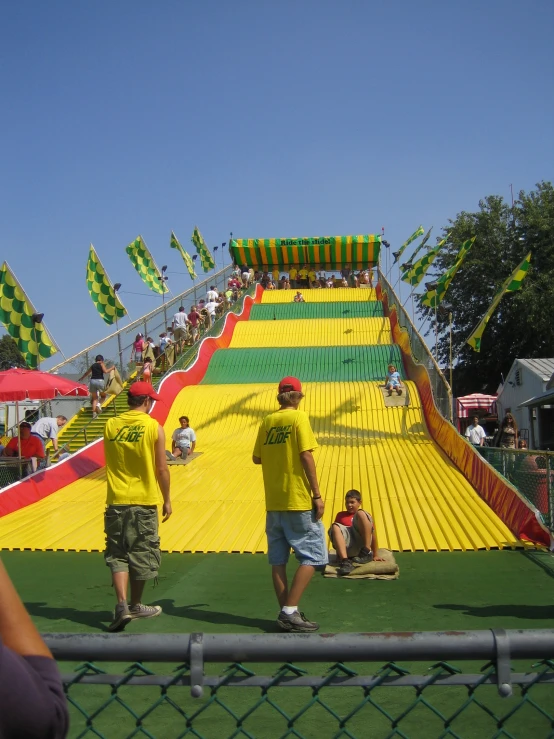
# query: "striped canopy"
{"type": "Point", "coordinates": [471, 403]}
{"type": "Point", "coordinates": [325, 252]}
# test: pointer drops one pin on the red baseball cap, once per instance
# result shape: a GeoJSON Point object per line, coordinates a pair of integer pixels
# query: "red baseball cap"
{"type": "Point", "coordinates": [143, 388]}
{"type": "Point", "coordinates": [289, 384]}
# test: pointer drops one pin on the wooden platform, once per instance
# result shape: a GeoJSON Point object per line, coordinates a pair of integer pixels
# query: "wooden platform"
{"type": "Point", "coordinates": [184, 461]}
{"type": "Point", "coordinates": [395, 400]}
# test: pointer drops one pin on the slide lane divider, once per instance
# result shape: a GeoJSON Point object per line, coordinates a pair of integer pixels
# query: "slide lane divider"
{"type": "Point", "coordinates": [90, 458]}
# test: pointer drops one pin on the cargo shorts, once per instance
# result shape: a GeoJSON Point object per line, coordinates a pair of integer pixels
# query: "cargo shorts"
{"type": "Point", "coordinates": [132, 540]}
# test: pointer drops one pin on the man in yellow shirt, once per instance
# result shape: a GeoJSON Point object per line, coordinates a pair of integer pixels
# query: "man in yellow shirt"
{"type": "Point", "coordinates": [136, 472]}
{"type": "Point", "coordinates": [293, 502]}
{"type": "Point", "coordinates": [292, 276]}
{"type": "Point", "coordinates": [303, 277]}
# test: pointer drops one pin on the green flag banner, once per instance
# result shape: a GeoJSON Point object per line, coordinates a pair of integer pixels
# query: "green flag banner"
{"type": "Point", "coordinates": [206, 258]}
{"type": "Point", "coordinates": [187, 259]}
{"type": "Point", "coordinates": [101, 290]}
{"type": "Point", "coordinates": [432, 298]}
{"type": "Point", "coordinates": [16, 311]}
{"type": "Point", "coordinates": [408, 265]}
{"type": "Point", "coordinates": [512, 284]}
{"type": "Point", "coordinates": [397, 254]}
{"type": "Point", "coordinates": [417, 272]}
{"type": "Point", "coordinates": [144, 264]}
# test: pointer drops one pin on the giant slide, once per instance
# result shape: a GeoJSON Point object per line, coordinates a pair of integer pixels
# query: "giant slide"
{"type": "Point", "coordinates": [427, 489]}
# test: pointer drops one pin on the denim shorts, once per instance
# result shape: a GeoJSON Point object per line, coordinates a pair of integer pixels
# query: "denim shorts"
{"type": "Point", "coordinates": [299, 530]}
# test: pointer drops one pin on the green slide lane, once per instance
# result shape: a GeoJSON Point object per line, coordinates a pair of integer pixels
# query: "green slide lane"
{"type": "Point", "coordinates": [312, 364]}
{"type": "Point", "coordinates": [300, 311]}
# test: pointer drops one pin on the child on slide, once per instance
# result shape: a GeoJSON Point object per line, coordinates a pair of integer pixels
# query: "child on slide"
{"type": "Point", "coordinates": [392, 380]}
{"type": "Point", "coordinates": [353, 535]}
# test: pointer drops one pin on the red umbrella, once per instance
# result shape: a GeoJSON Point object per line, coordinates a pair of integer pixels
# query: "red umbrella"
{"type": "Point", "coordinates": [23, 384]}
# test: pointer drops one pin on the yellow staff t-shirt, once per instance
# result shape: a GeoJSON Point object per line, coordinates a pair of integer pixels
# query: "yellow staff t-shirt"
{"type": "Point", "coordinates": [303, 274]}
{"type": "Point", "coordinates": [281, 437]}
{"type": "Point", "coordinates": [275, 274]}
{"type": "Point", "coordinates": [130, 459]}
{"type": "Point", "coordinates": [292, 273]}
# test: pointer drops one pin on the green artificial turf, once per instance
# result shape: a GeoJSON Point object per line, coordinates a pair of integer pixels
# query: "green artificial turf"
{"type": "Point", "coordinates": [232, 593]}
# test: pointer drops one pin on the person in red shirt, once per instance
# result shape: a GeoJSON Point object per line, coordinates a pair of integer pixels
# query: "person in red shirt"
{"type": "Point", "coordinates": [353, 535]}
{"type": "Point", "coordinates": [195, 320]}
{"type": "Point", "coordinates": [31, 446]}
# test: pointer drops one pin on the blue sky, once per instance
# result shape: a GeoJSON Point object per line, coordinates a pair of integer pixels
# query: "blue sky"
{"type": "Point", "coordinates": [265, 119]}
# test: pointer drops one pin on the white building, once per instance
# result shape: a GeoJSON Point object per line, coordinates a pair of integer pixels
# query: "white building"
{"type": "Point", "coordinates": [529, 378]}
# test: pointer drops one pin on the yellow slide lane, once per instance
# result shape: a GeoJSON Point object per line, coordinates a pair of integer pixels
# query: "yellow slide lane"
{"type": "Point", "coordinates": [323, 295]}
{"type": "Point", "coordinates": [420, 501]}
{"type": "Point", "coordinates": [312, 332]}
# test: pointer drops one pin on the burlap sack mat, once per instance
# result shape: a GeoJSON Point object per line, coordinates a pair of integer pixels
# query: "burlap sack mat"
{"type": "Point", "coordinates": [387, 570]}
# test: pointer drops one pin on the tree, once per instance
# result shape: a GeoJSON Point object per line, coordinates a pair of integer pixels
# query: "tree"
{"type": "Point", "coordinates": [523, 324]}
{"type": "Point", "coordinates": [10, 356]}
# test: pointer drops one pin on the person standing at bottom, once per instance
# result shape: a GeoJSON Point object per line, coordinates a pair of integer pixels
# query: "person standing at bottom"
{"type": "Point", "coordinates": [294, 505]}
{"type": "Point", "coordinates": [136, 472]}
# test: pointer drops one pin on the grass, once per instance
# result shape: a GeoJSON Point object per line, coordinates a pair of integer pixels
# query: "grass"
{"type": "Point", "coordinates": [70, 592]}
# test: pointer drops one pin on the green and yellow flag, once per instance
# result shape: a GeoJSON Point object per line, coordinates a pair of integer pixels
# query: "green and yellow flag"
{"type": "Point", "coordinates": [512, 284]}
{"type": "Point", "coordinates": [397, 254]}
{"type": "Point", "coordinates": [206, 258]}
{"type": "Point", "coordinates": [144, 264]}
{"type": "Point", "coordinates": [101, 290]}
{"type": "Point", "coordinates": [432, 298]}
{"type": "Point", "coordinates": [16, 311]}
{"type": "Point", "coordinates": [187, 259]}
{"type": "Point", "coordinates": [416, 273]}
{"type": "Point", "coordinates": [404, 267]}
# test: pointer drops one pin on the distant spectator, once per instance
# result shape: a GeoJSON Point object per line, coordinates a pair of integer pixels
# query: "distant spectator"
{"type": "Point", "coordinates": [211, 294]}
{"type": "Point", "coordinates": [508, 432]}
{"type": "Point", "coordinates": [299, 298]}
{"type": "Point", "coordinates": [234, 283]}
{"type": "Point", "coordinates": [46, 429]}
{"type": "Point", "coordinates": [345, 272]}
{"type": "Point", "coordinates": [180, 325]}
{"type": "Point", "coordinates": [195, 320]}
{"type": "Point", "coordinates": [150, 350]}
{"type": "Point", "coordinates": [138, 347]}
{"type": "Point", "coordinates": [275, 274]}
{"type": "Point", "coordinates": [475, 433]}
{"type": "Point", "coordinates": [165, 341]}
{"type": "Point", "coordinates": [312, 277]}
{"type": "Point", "coordinates": [31, 446]}
{"type": "Point", "coordinates": [97, 383]}
{"type": "Point", "coordinates": [146, 370]}
{"type": "Point", "coordinates": [330, 281]}
{"type": "Point", "coordinates": [293, 272]}
{"type": "Point", "coordinates": [303, 277]}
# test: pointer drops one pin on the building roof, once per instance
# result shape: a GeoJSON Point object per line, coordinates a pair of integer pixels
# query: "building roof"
{"type": "Point", "coordinates": [546, 398]}
{"type": "Point", "coordinates": [541, 367]}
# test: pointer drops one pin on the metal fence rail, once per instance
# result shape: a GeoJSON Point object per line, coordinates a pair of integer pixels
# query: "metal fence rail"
{"type": "Point", "coordinates": [442, 393]}
{"type": "Point", "coordinates": [532, 473]}
{"type": "Point", "coordinates": [378, 696]}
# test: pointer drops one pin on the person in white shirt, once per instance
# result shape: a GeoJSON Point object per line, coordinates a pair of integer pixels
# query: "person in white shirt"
{"type": "Point", "coordinates": [47, 428]}
{"type": "Point", "coordinates": [211, 307]}
{"type": "Point", "coordinates": [183, 440]}
{"type": "Point", "coordinates": [180, 322]}
{"type": "Point", "coordinates": [475, 434]}
{"type": "Point", "coordinates": [212, 294]}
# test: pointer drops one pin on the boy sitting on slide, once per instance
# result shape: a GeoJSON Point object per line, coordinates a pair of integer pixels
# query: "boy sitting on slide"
{"type": "Point", "coordinates": [353, 535]}
{"type": "Point", "coordinates": [392, 380]}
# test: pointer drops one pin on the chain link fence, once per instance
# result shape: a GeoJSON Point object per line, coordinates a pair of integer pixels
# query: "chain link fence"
{"type": "Point", "coordinates": [442, 393]}
{"type": "Point", "coordinates": [370, 685]}
{"type": "Point", "coordinates": [531, 472]}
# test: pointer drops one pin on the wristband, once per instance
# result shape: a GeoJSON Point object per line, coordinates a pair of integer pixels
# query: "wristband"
{"type": "Point", "coordinates": [317, 497]}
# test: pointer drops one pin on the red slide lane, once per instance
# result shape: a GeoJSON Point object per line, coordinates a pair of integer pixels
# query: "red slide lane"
{"type": "Point", "coordinates": [503, 498]}
{"type": "Point", "coordinates": [90, 458]}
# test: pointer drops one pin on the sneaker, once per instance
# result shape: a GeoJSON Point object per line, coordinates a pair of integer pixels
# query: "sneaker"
{"type": "Point", "coordinates": [94, 415]}
{"type": "Point", "coordinates": [99, 408]}
{"type": "Point", "coordinates": [295, 622]}
{"type": "Point", "coordinates": [121, 617]}
{"type": "Point", "coordinates": [141, 611]}
{"type": "Point", "coordinates": [345, 568]}
{"type": "Point", "coordinates": [363, 558]}
{"type": "Point", "coordinates": [170, 456]}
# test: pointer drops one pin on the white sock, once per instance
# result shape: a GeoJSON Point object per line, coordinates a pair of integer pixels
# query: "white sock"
{"type": "Point", "coordinates": [289, 610]}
